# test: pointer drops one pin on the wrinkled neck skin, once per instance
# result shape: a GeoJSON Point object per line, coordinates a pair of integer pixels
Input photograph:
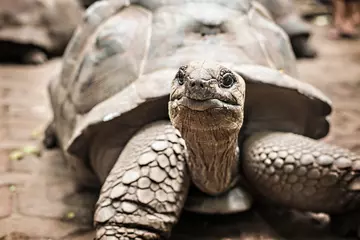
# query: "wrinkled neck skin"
{"type": "Point", "coordinates": [213, 158]}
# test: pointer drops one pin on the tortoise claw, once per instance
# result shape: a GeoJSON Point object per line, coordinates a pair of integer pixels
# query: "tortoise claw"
{"type": "Point", "coordinates": [50, 139]}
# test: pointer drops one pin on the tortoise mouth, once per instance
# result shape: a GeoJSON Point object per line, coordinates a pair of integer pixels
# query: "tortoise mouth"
{"type": "Point", "coordinates": [202, 105]}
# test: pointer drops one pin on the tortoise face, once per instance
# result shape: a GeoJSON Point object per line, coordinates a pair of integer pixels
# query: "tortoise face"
{"type": "Point", "coordinates": [206, 95]}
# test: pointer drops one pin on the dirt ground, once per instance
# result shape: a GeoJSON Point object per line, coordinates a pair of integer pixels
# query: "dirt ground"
{"type": "Point", "coordinates": [337, 73]}
{"type": "Point", "coordinates": [39, 198]}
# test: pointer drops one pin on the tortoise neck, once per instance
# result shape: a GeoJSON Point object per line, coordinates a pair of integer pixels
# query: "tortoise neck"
{"type": "Point", "coordinates": [213, 158]}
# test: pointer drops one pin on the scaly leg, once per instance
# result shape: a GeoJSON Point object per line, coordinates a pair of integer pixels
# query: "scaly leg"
{"type": "Point", "coordinates": [305, 174]}
{"type": "Point", "coordinates": [144, 193]}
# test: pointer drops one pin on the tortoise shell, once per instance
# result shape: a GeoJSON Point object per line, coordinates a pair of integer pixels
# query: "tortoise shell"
{"type": "Point", "coordinates": [285, 15]}
{"type": "Point", "coordinates": [119, 64]}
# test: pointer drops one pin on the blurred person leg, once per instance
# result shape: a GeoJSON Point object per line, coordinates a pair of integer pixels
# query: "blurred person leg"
{"type": "Point", "coordinates": [348, 29]}
{"type": "Point", "coordinates": [343, 24]}
{"type": "Point", "coordinates": [355, 12]}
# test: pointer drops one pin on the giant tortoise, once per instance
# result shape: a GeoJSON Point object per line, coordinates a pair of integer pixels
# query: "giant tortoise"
{"type": "Point", "coordinates": [33, 30]}
{"type": "Point", "coordinates": [172, 105]}
{"type": "Point", "coordinates": [286, 16]}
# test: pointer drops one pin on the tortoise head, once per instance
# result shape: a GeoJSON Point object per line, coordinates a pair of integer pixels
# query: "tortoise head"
{"type": "Point", "coordinates": [207, 107]}
{"type": "Point", "coordinates": [207, 96]}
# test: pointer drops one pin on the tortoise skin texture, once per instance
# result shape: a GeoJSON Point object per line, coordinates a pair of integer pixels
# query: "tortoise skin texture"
{"type": "Point", "coordinates": [111, 108]}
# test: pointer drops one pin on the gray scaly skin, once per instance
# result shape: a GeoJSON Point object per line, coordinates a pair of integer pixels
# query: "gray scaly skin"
{"type": "Point", "coordinates": [146, 189]}
{"type": "Point", "coordinates": [209, 118]}
{"type": "Point", "coordinates": [109, 102]}
{"type": "Point", "coordinates": [206, 105]}
{"type": "Point", "coordinates": [299, 172]}
{"type": "Point", "coordinates": [144, 193]}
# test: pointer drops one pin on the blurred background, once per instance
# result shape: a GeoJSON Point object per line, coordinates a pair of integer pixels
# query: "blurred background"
{"type": "Point", "coordinates": [40, 201]}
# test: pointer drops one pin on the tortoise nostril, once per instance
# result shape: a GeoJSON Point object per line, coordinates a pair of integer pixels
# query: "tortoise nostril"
{"type": "Point", "coordinates": [192, 84]}
{"type": "Point", "coordinates": [202, 85]}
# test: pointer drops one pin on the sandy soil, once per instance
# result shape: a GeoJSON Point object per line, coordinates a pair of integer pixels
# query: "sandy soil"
{"type": "Point", "coordinates": [337, 72]}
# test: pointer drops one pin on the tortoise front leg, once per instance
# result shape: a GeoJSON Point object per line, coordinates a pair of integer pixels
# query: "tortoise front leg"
{"type": "Point", "coordinates": [305, 174]}
{"type": "Point", "coordinates": [144, 193]}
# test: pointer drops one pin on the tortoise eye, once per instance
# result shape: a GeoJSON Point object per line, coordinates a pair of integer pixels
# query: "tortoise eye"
{"type": "Point", "coordinates": [180, 77]}
{"type": "Point", "coordinates": [228, 80]}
